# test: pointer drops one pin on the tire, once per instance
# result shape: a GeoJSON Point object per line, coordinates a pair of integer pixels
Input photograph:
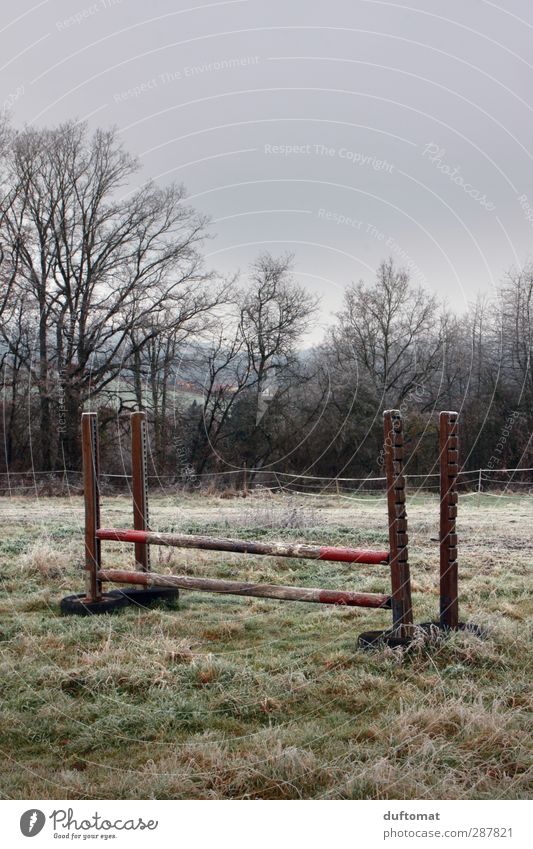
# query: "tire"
{"type": "Point", "coordinates": [443, 630]}
{"type": "Point", "coordinates": [378, 639]}
{"type": "Point", "coordinates": [77, 605]}
{"type": "Point", "coordinates": [146, 596]}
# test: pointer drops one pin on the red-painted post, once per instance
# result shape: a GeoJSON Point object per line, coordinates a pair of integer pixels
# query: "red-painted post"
{"type": "Point", "coordinates": [139, 458]}
{"type": "Point", "coordinates": [449, 468]}
{"type": "Point", "coordinates": [402, 613]}
{"type": "Point", "coordinates": [91, 495]}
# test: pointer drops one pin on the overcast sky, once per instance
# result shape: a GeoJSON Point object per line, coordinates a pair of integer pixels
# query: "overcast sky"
{"type": "Point", "coordinates": [342, 131]}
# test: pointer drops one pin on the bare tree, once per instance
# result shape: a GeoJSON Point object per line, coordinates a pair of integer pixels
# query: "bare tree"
{"type": "Point", "coordinates": [92, 265]}
{"type": "Point", "coordinates": [6, 200]}
{"type": "Point", "coordinates": [391, 333]}
{"type": "Point", "coordinates": [15, 385]}
{"type": "Point", "coordinates": [516, 311]}
{"type": "Point", "coordinates": [255, 362]}
{"type": "Point", "coordinates": [275, 314]}
{"type": "Point", "coordinates": [159, 349]}
{"type": "Point", "coordinates": [223, 374]}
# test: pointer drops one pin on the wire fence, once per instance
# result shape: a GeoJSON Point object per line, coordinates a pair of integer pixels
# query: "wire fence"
{"type": "Point", "coordinates": [61, 482]}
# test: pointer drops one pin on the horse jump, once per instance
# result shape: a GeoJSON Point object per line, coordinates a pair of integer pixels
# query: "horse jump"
{"type": "Point", "coordinates": [94, 600]}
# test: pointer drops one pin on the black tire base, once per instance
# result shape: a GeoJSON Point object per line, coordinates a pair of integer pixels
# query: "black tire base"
{"type": "Point", "coordinates": [380, 639]}
{"type": "Point", "coordinates": [79, 605]}
{"type": "Point", "coordinates": [439, 629]}
{"type": "Point", "coordinates": [145, 596]}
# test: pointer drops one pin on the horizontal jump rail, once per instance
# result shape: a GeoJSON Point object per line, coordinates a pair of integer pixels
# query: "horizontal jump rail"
{"type": "Point", "coordinates": [274, 549]}
{"type": "Point", "coordinates": [214, 585]}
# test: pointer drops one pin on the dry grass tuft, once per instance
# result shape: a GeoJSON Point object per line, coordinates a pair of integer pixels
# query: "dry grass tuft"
{"type": "Point", "coordinates": [47, 561]}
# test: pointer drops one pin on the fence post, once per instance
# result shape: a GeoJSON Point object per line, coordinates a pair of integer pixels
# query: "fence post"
{"type": "Point", "coordinates": [449, 467]}
{"type": "Point", "coordinates": [139, 458]}
{"type": "Point", "coordinates": [402, 613]}
{"type": "Point", "coordinates": [91, 496]}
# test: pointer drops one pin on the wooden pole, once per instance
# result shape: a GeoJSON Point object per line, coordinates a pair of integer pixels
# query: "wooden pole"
{"type": "Point", "coordinates": [239, 546]}
{"type": "Point", "coordinates": [402, 613]}
{"type": "Point", "coordinates": [214, 585]}
{"type": "Point", "coordinates": [449, 467]}
{"type": "Point", "coordinates": [139, 458]}
{"type": "Point", "coordinates": [91, 496]}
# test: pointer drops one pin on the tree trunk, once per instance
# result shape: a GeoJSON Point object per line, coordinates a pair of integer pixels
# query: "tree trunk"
{"type": "Point", "coordinates": [137, 379]}
{"type": "Point", "coordinates": [45, 419]}
{"type": "Point", "coordinates": [69, 434]}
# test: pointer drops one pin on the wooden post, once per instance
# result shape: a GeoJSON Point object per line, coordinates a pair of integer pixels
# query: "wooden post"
{"type": "Point", "coordinates": [245, 480]}
{"type": "Point", "coordinates": [91, 495]}
{"type": "Point", "coordinates": [139, 458]}
{"type": "Point", "coordinates": [449, 467]}
{"type": "Point", "coordinates": [402, 613]}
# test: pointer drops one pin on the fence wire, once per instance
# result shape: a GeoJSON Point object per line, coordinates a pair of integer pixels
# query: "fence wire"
{"type": "Point", "coordinates": [494, 482]}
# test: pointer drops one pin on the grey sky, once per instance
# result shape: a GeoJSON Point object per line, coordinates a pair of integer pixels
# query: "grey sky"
{"type": "Point", "coordinates": [342, 131]}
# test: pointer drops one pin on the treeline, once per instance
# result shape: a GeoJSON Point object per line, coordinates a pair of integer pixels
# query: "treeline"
{"type": "Point", "coordinates": [106, 303]}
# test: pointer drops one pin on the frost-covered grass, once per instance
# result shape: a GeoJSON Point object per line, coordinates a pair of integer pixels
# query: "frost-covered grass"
{"type": "Point", "coordinates": [246, 698]}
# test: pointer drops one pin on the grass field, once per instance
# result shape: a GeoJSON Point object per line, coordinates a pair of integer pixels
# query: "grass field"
{"type": "Point", "coordinates": [244, 698]}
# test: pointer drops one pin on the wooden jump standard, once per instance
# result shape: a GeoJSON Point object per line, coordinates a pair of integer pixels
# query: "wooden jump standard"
{"type": "Point", "coordinates": [449, 468]}
{"type": "Point", "coordinates": [399, 601]}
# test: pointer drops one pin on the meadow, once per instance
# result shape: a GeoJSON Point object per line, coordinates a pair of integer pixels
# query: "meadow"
{"type": "Point", "coordinates": [227, 698]}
